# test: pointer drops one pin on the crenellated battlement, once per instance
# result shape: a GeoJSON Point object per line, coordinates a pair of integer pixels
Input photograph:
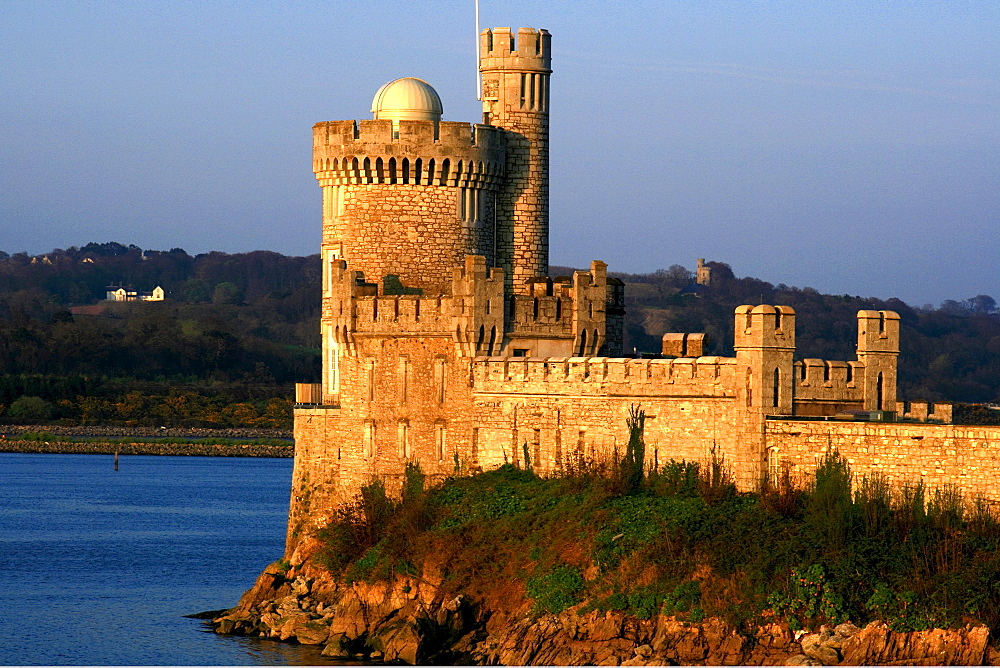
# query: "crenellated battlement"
{"type": "Point", "coordinates": [764, 326]}
{"type": "Point", "coordinates": [421, 153]}
{"type": "Point", "coordinates": [402, 314]}
{"type": "Point", "coordinates": [530, 50]}
{"type": "Point", "coordinates": [701, 376]}
{"type": "Point", "coordinates": [829, 381]}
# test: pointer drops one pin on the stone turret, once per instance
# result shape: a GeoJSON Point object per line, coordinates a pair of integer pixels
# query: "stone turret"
{"type": "Point", "coordinates": [405, 194]}
{"type": "Point", "coordinates": [515, 94]}
{"type": "Point", "coordinates": [878, 349]}
{"type": "Point", "coordinates": [764, 339]}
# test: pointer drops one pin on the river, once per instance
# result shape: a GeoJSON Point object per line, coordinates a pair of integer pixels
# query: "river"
{"type": "Point", "coordinates": [99, 566]}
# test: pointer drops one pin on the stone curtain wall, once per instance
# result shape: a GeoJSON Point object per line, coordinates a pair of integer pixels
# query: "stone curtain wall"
{"type": "Point", "coordinates": [966, 457]}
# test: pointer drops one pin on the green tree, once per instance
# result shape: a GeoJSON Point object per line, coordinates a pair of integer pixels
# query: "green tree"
{"type": "Point", "coordinates": [30, 408]}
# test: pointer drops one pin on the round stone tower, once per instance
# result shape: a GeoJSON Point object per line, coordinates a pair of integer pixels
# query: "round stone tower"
{"type": "Point", "coordinates": [515, 95]}
{"type": "Point", "coordinates": [406, 195]}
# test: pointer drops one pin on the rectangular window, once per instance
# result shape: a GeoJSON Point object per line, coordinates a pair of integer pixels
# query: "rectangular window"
{"type": "Point", "coordinates": [369, 439]}
{"type": "Point", "coordinates": [441, 439]}
{"type": "Point", "coordinates": [440, 378]}
{"type": "Point", "coordinates": [370, 380]}
{"type": "Point", "coordinates": [403, 439]}
{"type": "Point", "coordinates": [536, 443]}
{"type": "Point", "coordinates": [404, 379]}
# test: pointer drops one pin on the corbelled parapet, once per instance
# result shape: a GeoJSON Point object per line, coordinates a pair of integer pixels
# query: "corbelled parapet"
{"type": "Point", "coordinates": [369, 151]}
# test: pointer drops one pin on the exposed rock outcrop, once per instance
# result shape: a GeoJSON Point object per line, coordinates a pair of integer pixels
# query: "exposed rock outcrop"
{"type": "Point", "coordinates": [410, 620]}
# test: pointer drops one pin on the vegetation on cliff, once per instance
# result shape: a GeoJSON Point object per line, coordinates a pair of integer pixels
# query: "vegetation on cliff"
{"type": "Point", "coordinates": [681, 540]}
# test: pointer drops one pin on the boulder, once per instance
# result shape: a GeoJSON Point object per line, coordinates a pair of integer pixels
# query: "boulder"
{"type": "Point", "coordinates": [813, 646]}
{"type": "Point", "coordinates": [336, 646]}
{"type": "Point", "coordinates": [300, 586]}
{"type": "Point", "coordinates": [396, 641]}
{"type": "Point", "coordinates": [801, 660]}
{"type": "Point", "coordinates": [846, 630]}
{"type": "Point", "coordinates": [291, 625]}
{"type": "Point", "coordinates": [313, 632]}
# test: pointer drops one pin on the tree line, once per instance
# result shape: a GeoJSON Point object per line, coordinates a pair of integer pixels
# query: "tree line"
{"type": "Point", "coordinates": [242, 328]}
{"type": "Point", "coordinates": [235, 331]}
{"type": "Point", "coordinates": [948, 353]}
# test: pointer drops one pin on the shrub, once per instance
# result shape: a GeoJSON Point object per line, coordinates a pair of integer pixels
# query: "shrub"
{"type": "Point", "coordinates": [557, 590]}
{"type": "Point", "coordinates": [30, 408]}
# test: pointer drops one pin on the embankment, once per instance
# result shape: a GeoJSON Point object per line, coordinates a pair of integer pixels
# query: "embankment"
{"type": "Point", "coordinates": [193, 449]}
{"type": "Point", "coordinates": [118, 441]}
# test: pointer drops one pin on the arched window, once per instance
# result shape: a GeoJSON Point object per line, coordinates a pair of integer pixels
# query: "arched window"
{"type": "Point", "coordinates": [583, 343]}
{"type": "Point", "coordinates": [445, 169]}
{"type": "Point", "coordinates": [418, 168]}
{"type": "Point", "coordinates": [379, 173]}
{"type": "Point", "coordinates": [879, 391]}
{"type": "Point", "coordinates": [406, 170]}
{"type": "Point", "coordinates": [773, 467]}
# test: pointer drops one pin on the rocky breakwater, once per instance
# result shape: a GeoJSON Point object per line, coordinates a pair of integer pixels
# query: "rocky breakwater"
{"type": "Point", "coordinates": [146, 432]}
{"type": "Point", "coordinates": [413, 620]}
{"type": "Point", "coordinates": [194, 449]}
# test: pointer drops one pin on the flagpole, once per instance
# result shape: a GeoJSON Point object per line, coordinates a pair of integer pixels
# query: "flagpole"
{"type": "Point", "coordinates": [479, 75]}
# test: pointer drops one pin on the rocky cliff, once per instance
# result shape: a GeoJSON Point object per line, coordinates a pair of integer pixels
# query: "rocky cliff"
{"type": "Point", "coordinates": [409, 619]}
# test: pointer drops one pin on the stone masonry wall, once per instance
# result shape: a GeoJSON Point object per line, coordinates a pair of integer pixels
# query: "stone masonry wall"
{"type": "Point", "coordinates": [411, 231]}
{"type": "Point", "coordinates": [965, 457]}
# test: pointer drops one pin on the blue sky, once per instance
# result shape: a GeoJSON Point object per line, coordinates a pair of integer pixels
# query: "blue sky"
{"type": "Point", "coordinates": [853, 147]}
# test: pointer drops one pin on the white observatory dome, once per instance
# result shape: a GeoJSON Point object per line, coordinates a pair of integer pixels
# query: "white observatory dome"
{"type": "Point", "coordinates": [407, 99]}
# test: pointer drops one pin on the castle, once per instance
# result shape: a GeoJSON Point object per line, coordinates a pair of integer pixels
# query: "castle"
{"type": "Point", "coordinates": [446, 343]}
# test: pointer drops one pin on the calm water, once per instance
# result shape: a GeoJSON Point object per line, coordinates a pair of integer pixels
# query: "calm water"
{"type": "Point", "coordinates": [98, 566]}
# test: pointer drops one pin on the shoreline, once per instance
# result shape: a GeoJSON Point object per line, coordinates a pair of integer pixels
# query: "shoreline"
{"type": "Point", "coordinates": [193, 449]}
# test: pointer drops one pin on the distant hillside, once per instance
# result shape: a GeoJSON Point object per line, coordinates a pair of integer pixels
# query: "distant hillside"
{"type": "Point", "coordinates": [949, 353]}
{"type": "Point", "coordinates": [245, 326]}
{"type": "Point", "coordinates": [233, 329]}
